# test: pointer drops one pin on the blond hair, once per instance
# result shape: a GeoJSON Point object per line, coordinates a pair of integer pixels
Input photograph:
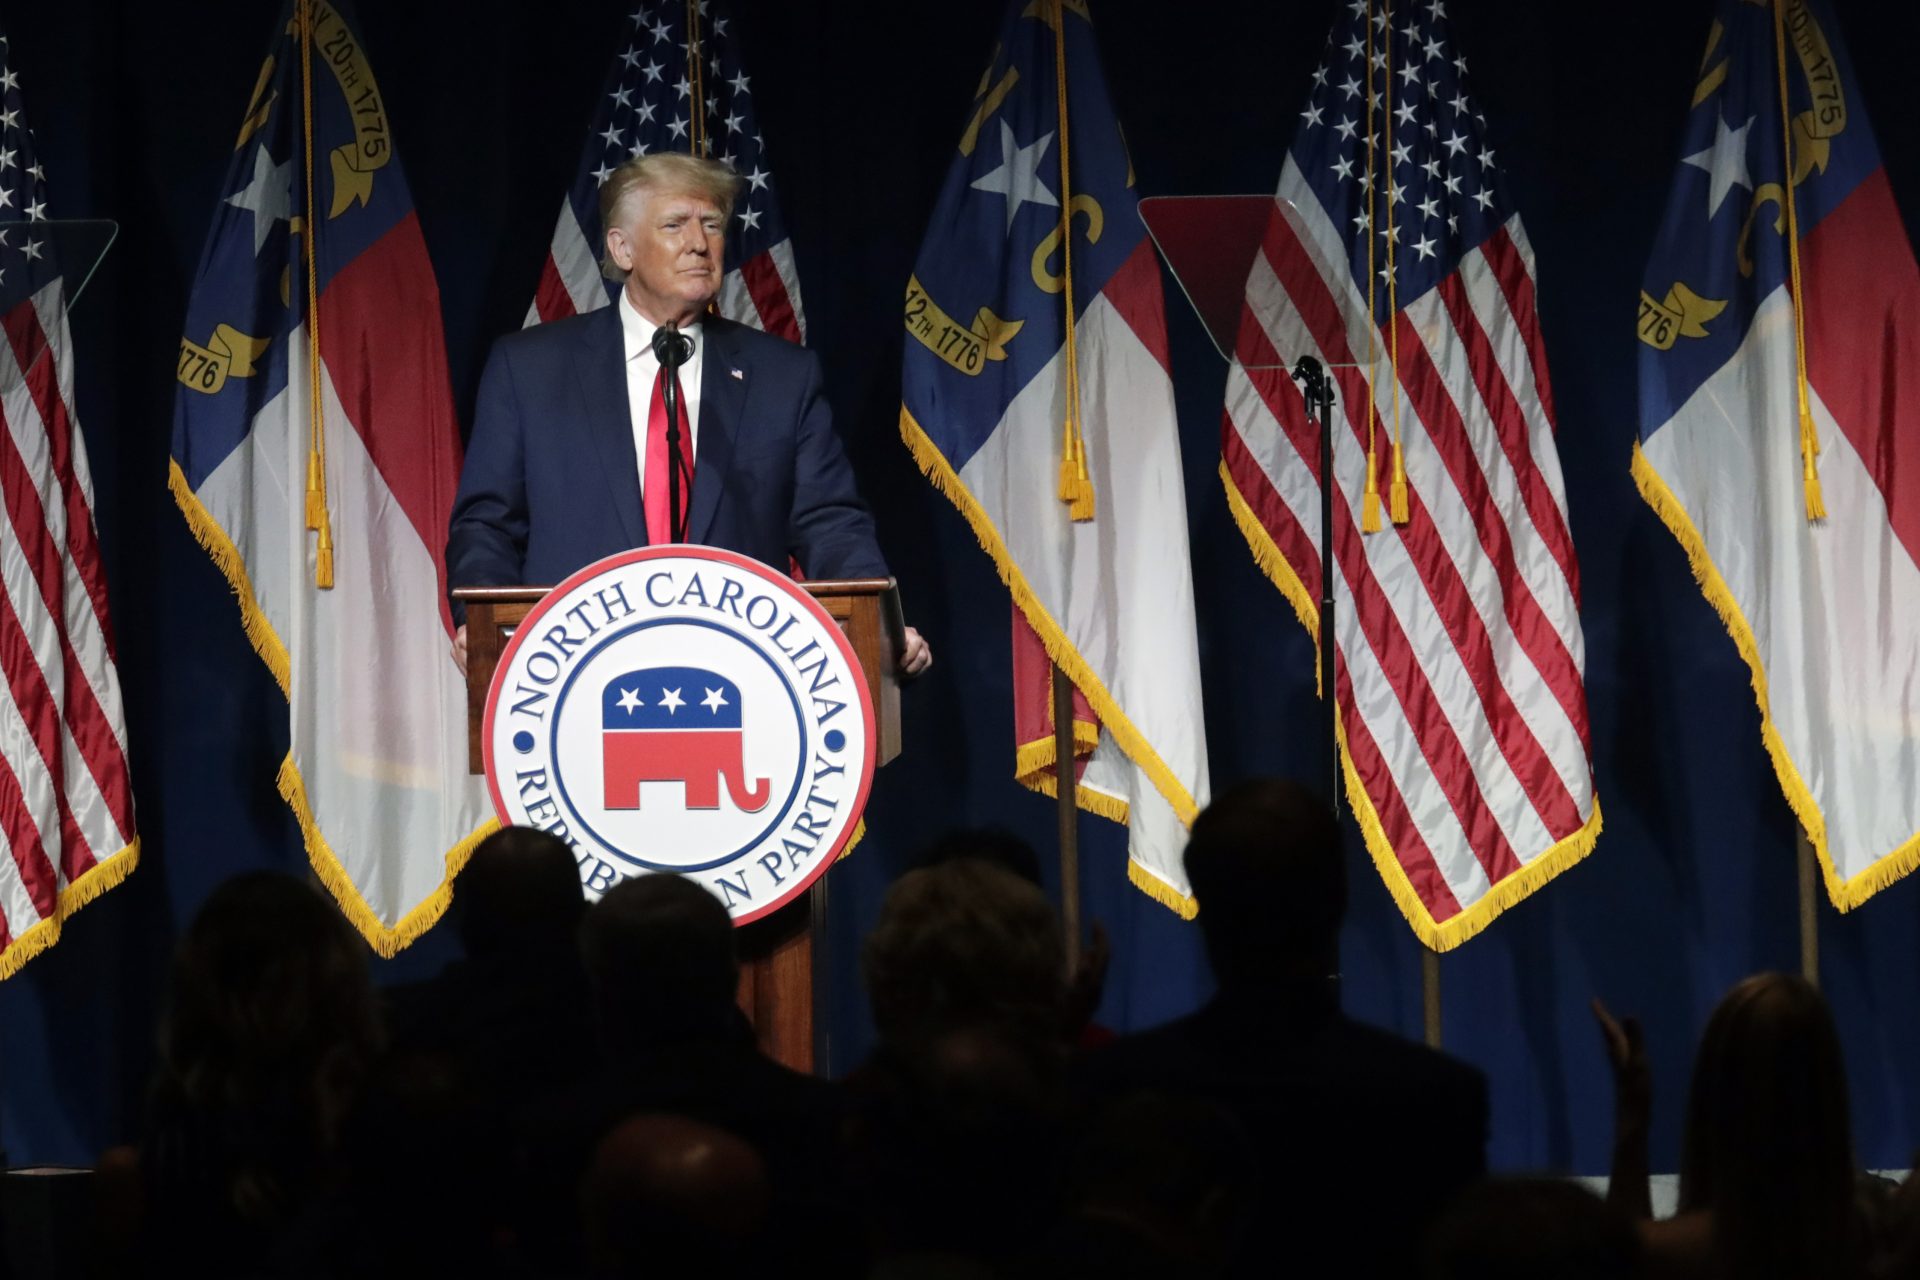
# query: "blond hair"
{"type": "Point", "coordinates": [669, 173]}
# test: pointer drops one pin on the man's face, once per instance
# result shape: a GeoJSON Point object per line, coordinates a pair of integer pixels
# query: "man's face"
{"type": "Point", "coordinates": [670, 243]}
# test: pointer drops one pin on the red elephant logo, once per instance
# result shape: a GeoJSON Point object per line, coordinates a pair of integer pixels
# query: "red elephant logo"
{"type": "Point", "coordinates": [675, 724]}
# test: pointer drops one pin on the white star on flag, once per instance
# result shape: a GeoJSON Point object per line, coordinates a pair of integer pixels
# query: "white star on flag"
{"type": "Point", "coordinates": [1018, 177]}
{"type": "Point", "coordinates": [1725, 162]}
{"type": "Point", "coordinates": [268, 197]}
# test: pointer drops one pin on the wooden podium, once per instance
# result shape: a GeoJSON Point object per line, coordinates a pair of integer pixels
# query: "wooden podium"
{"type": "Point", "coordinates": [780, 987]}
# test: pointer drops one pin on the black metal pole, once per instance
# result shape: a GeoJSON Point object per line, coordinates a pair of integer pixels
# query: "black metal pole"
{"type": "Point", "coordinates": [1317, 390]}
{"type": "Point", "coordinates": [671, 393]}
{"type": "Point", "coordinates": [672, 348]}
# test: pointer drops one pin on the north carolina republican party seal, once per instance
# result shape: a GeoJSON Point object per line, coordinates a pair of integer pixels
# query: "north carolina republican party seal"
{"type": "Point", "coordinates": [684, 709]}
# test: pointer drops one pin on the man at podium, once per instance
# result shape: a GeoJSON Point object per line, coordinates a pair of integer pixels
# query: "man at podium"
{"type": "Point", "coordinates": [573, 456]}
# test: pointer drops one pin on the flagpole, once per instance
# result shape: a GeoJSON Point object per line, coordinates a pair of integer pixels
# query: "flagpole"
{"type": "Point", "coordinates": [1809, 909]}
{"type": "Point", "coordinates": [319, 519]}
{"type": "Point", "coordinates": [1067, 809]}
{"type": "Point", "coordinates": [1430, 994]}
{"type": "Point", "coordinates": [1075, 489]}
{"type": "Point", "coordinates": [697, 108]}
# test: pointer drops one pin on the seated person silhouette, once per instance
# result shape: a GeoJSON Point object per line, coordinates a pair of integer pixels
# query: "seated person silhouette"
{"type": "Point", "coordinates": [1359, 1137]}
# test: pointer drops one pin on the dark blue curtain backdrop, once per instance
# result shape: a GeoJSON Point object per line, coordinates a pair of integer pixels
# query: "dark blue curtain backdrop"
{"type": "Point", "coordinates": [1692, 884]}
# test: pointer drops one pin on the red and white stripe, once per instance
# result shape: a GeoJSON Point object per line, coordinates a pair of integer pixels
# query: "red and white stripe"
{"type": "Point", "coordinates": [66, 805]}
{"type": "Point", "coordinates": [762, 292]}
{"type": "Point", "coordinates": [1458, 638]}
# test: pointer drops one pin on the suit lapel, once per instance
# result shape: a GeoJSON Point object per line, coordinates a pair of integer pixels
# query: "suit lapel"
{"type": "Point", "coordinates": [723, 398]}
{"type": "Point", "coordinates": [600, 360]}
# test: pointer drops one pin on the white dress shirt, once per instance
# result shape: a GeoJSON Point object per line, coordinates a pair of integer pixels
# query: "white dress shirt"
{"type": "Point", "coordinates": [643, 367]}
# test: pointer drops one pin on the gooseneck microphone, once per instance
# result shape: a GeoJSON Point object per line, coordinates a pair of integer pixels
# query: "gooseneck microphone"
{"type": "Point", "coordinates": [673, 349]}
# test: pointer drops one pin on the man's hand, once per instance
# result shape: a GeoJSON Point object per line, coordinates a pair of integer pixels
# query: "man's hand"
{"type": "Point", "coordinates": [460, 647]}
{"type": "Point", "coordinates": [915, 657]}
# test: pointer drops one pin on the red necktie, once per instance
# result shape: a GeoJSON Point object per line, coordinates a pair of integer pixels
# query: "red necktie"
{"type": "Point", "coordinates": [655, 497]}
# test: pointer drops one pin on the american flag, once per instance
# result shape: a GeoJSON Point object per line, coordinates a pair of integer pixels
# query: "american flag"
{"type": "Point", "coordinates": [1459, 651]}
{"type": "Point", "coordinates": [667, 93]}
{"type": "Point", "coordinates": [66, 808]}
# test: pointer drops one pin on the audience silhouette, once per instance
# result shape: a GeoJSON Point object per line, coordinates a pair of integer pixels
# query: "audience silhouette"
{"type": "Point", "coordinates": [580, 1095]}
{"type": "Point", "coordinates": [661, 964]}
{"type": "Point", "coordinates": [485, 1059]}
{"type": "Point", "coordinates": [668, 1196]}
{"type": "Point", "coordinates": [1330, 1106]}
{"type": "Point", "coordinates": [1768, 1187]}
{"type": "Point", "coordinates": [269, 1035]}
{"type": "Point", "coordinates": [958, 1124]}
{"type": "Point", "coordinates": [1532, 1229]}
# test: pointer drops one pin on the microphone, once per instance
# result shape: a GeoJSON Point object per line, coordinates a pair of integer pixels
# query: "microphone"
{"type": "Point", "coordinates": [671, 347]}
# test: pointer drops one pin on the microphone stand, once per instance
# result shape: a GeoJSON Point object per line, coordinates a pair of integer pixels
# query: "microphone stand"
{"type": "Point", "coordinates": [1316, 388]}
{"type": "Point", "coordinates": [672, 348]}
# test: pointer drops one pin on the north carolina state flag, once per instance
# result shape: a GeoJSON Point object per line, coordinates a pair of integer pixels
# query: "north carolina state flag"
{"type": "Point", "coordinates": [315, 455]}
{"type": "Point", "coordinates": [1780, 424]}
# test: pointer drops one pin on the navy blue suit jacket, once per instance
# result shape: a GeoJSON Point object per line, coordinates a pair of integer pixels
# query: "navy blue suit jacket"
{"type": "Point", "coordinates": [551, 482]}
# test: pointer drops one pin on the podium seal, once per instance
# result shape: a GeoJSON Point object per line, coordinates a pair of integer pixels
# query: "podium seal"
{"type": "Point", "coordinates": [683, 709]}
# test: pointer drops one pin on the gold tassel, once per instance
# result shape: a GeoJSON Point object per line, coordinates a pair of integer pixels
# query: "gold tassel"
{"type": "Point", "coordinates": [1080, 507]}
{"type": "Point", "coordinates": [316, 491]}
{"type": "Point", "coordinates": [1397, 492]}
{"type": "Point", "coordinates": [1809, 468]}
{"type": "Point", "coordinates": [1076, 486]}
{"type": "Point", "coordinates": [323, 565]}
{"type": "Point", "coordinates": [1370, 500]}
{"type": "Point", "coordinates": [1809, 434]}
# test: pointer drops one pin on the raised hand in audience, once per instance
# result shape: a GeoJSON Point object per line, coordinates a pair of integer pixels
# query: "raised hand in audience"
{"type": "Point", "coordinates": [1627, 1188]}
